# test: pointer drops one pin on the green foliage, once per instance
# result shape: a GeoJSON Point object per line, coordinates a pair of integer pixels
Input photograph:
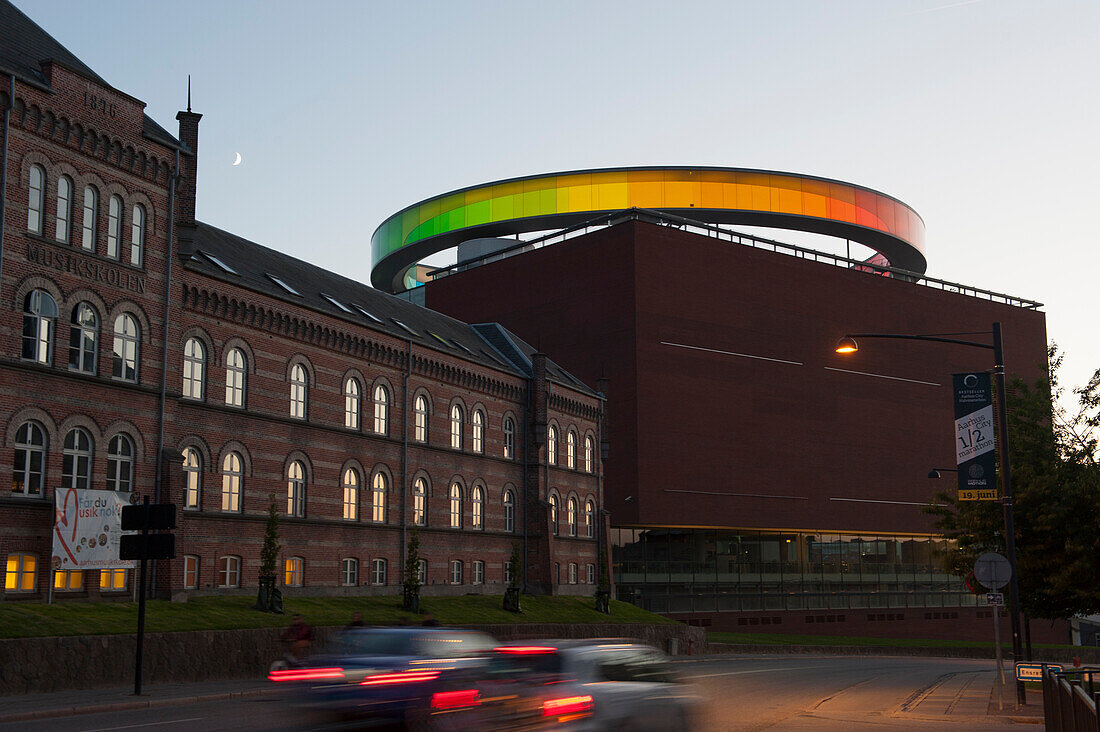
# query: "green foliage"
{"type": "Point", "coordinates": [269, 555]}
{"type": "Point", "coordinates": [515, 567]}
{"type": "Point", "coordinates": [412, 563]}
{"type": "Point", "coordinates": [1056, 489]}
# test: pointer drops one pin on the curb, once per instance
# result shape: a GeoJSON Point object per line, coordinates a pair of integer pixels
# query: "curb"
{"type": "Point", "coordinates": [129, 705]}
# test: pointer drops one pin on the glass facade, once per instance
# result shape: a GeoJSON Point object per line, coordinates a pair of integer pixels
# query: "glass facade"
{"type": "Point", "coordinates": [670, 570]}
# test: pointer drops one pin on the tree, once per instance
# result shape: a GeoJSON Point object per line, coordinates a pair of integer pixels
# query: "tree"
{"type": "Point", "coordinates": [411, 584]}
{"type": "Point", "coordinates": [1056, 489]}
{"type": "Point", "coordinates": [269, 599]}
{"type": "Point", "coordinates": [603, 586]}
{"type": "Point", "coordinates": [515, 581]}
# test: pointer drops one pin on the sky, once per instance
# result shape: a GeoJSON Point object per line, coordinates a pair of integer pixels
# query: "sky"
{"type": "Point", "coordinates": [982, 115]}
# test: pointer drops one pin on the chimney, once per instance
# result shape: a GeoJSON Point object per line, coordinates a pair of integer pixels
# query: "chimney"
{"type": "Point", "coordinates": [188, 173]}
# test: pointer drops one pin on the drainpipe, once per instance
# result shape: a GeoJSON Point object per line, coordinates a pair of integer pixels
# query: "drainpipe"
{"type": "Point", "coordinates": [4, 172]}
{"type": "Point", "coordinates": [405, 461]}
{"type": "Point", "coordinates": [526, 463]}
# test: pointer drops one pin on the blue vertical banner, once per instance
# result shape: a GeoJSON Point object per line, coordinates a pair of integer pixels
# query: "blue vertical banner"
{"type": "Point", "coordinates": [974, 444]}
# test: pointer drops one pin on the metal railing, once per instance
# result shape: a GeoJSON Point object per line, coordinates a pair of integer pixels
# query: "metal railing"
{"type": "Point", "coordinates": [1070, 699]}
{"type": "Point", "coordinates": [734, 237]}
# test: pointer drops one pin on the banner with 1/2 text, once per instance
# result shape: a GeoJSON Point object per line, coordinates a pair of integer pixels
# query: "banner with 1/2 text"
{"type": "Point", "coordinates": [974, 445]}
{"type": "Point", "coordinates": [86, 529]}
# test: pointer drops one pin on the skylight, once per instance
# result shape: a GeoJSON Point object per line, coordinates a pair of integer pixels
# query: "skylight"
{"type": "Point", "coordinates": [364, 311]}
{"type": "Point", "coordinates": [336, 302]}
{"type": "Point", "coordinates": [278, 281]}
{"type": "Point", "coordinates": [222, 265]}
{"type": "Point", "coordinates": [439, 338]}
{"type": "Point", "coordinates": [404, 327]}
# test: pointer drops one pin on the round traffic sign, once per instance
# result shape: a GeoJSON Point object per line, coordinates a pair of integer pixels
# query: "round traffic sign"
{"type": "Point", "coordinates": [992, 570]}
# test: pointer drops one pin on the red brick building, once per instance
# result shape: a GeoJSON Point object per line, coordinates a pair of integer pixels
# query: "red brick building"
{"type": "Point", "coordinates": [142, 350]}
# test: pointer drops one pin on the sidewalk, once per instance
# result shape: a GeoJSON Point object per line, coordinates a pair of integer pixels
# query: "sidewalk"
{"type": "Point", "coordinates": [26, 707]}
{"type": "Point", "coordinates": [971, 697]}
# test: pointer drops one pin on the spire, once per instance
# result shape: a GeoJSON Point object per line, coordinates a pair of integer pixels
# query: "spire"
{"type": "Point", "coordinates": [189, 92]}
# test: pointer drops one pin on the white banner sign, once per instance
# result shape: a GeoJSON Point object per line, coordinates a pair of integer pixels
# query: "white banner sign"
{"type": "Point", "coordinates": [86, 529]}
{"type": "Point", "coordinates": [974, 434]}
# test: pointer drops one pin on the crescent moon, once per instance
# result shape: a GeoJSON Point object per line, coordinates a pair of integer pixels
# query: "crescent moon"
{"type": "Point", "coordinates": [238, 160]}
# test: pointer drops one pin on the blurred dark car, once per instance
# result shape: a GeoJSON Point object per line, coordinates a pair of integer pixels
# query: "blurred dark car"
{"type": "Point", "coordinates": [421, 677]}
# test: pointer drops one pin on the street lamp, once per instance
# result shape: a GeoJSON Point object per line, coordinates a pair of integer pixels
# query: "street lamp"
{"type": "Point", "coordinates": [848, 344]}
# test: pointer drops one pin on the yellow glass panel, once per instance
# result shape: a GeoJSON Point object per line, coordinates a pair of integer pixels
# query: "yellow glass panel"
{"type": "Point", "coordinates": [647, 194]}
{"type": "Point", "coordinates": [482, 193]}
{"type": "Point", "coordinates": [815, 198]}
{"type": "Point", "coordinates": [711, 194]}
{"type": "Point", "coordinates": [530, 201]}
{"type": "Point", "coordinates": [790, 197]}
{"type": "Point", "coordinates": [682, 193]}
{"type": "Point", "coordinates": [501, 207]}
{"type": "Point", "coordinates": [580, 197]}
{"type": "Point", "coordinates": [561, 200]}
{"type": "Point", "coordinates": [611, 196]}
{"type": "Point", "coordinates": [11, 577]}
{"type": "Point", "coordinates": [288, 579]}
{"type": "Point", "coordinates": [548, 201]}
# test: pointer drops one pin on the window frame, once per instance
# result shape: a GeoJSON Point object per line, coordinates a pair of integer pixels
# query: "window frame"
{"type": "Point", "coordinates": [378, 572]}
{"type": "Point", "coordinates": [296, 489]}
{"type": "Point", "coordinates": [192, 479]}
{"type": "Point", "coordinates": [420, 419]}
{"type": "Point", "coordinates": [114, 227]}
{"type": "Point", "coordinates": [120, 465]}
{"type": "Point", "coordinates": [479, 572]}
{"type": "Point", "coordinates": [571, 510]}
{"type": "Point", "coordinates": [235, 377]}
{"type": "Point", "coordinates": [349, 572]}
{"type": "Point", "coordinates": [191, 566]}
{"type": "Point", "coordinates": [508, 500]}
{"type": "Point", "coordinates": [551, 445]}
{"type": "Point", "coordinates": [117, 580]}
{"type": "Point", "coordinates": [63, 580]}
{"type": "Point", "coordinates": [36, 199]}
{"type": "Point", "coordinates": [26, 452]}
{"type": "Point", "coordinates": [16, 578]}
{"type": "Point", "coordinates": [572, 576]}
{"type": "Point", "coordinates": [509, 428]}
{"type": "Point", "coordinates": [64, 219]}
{"type": "Point", "coordinates": [456, 572]}
{"type": "Point", "coordinates": [194, 369]}
{"type": "Point", "coordinates": [477, 431]}
{"type": "Point", "coordinates": [294, 572]}
{"type": "Point", "coordinates": [571, 450]}
{"type": "Point", "coordinates": [76, 462]}
{"type": "Point", "coordinates": [590, 518]}
{"type": "Point", "coordinates": [232, 482]}
{"type": "Point", "coordinates": [42, 326]}
{"type": "Point", "coordinates": [457, 418]}
{"type": "Point", "coordinates": [86, 337]}
{"type": "Point", "coordinates": [379, 487]}
{"type": "Point", "coordinates": [229, 571]}
{"type": "Point", "coordinates": [420, 502]}
{"type": "Point", "coordinates": [380, 396]}
{"type": "Point", "coordinates": [350, 491]}
{"type": "Point", "coordinates": [353, 398]}
{"type": "Point", "coordinates": [454, 505]}
{"type": "Point", "coordinates": [553, 501]}
{"type": "Point", "coordinates": [125, 348]}
{"type": "Point", "coordinates": [299, 391]}
{"type": "Point", "coordinates": [477, 508]}
{"type": "Point", "coordinates": [88, 223]}
{"type": "Point", "coordinates": [137, 235]}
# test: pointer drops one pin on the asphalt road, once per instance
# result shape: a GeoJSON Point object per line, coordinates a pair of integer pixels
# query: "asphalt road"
{"type": "Point", "coordinates": [743, 693]}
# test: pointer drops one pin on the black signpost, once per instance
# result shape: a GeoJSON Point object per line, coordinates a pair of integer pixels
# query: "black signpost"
{"type": "Point", "coordinates": [146, 546]}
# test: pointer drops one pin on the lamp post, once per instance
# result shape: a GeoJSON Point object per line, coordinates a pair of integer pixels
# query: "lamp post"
{"type": "Point", "coordinates": [848, 344]}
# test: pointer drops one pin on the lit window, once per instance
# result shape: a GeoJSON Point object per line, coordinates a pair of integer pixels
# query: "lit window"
{"type": "Point", "coordinates": [120, 464]}
{"type": "Point", "coordinates": [114, 226]}
{"type": "Point", "coordinates": [36, 199]}
{"type": "Point", "coordinates": [552, 445]}
{"type": "Point", "coordinates": [137, 235]}
{"type": "Point", "coordinates": [30, 459]}
{"type": "Point", "coordinates": [351, 494]}
{"type": "Point", "coordinates": [572, 573]}
{"type": "Point", "coordinates": [64, 208]}
{"type": "Point", "coordinates": [588, 450]}
{"type": "Point", "coordinates": [571, 450]}
{"type": "Point", "coordinates": [112, 580]}
{"type": "Point", "coordinates": [571, 515]}
{"type": "Point", "coordinates": [478, 424]}
{"type": "Point", "coordinates": [190, 572]}
{"type": "Point", "coordinates": [378, 572]}
{"type": "Point", "coordinates": [420, 418]}
{"type": "Point", "coordinates": [456, 427]}
{"type": "Point", "coordinates": [282, 283]}
{"type": "Point", "coordinates": [509, 511]}
{"type": "Point", "coordinates": [295, 490]}
{"type": "Point", "coordinates": [232, 476]}
{"type": "Point", "coordinates": [298, 386]}
{"type": "Point", "coordinates": [91, 211]}
{"type": "Point", "coordinates": [229, 572]}
{"type": "Point", "coordinates": [125, 358]}
{"type": "Point", "coordinates": [456, 506]}
{"type": "Point", "coordinates": [39, 316]}
{"type": "Point", "coordinates": [22, 573]}
{"type": "Point", "coordinates": [381, 410]}
{"type": "Point", "coordinates": [293, 574]}
{"type": "Point", "coordinates": [422, 571]}
{"type": "Point", "coordinates": [234, 378]}
{"type": "Point", "coordinates": [68, 580]}
{"type": "Point", "coordinates": [554, 514]}
{"type": "Point", "coordinates": [378, 499]}
{"type": "Point", "coordinates": [477, 517]}
{"type": "Point", "coordinates": [192, 477]}
{"type": "Point", "coordinates": [349, 572]}
{"type": "Point", "coordinates": [76, 464]}
{"type": "Point", "coordinates": [589, 519]}
{"type": "Point", "coordinates": [509, 438]}
{"type": "Point", "coordinates": [479, 572]}
{"type": "Point", "coordinates": [194, 367]}
{"type": "Point", "coordinates": [82, 339]}
{"type": "Point", "coordinates": [456, 572]}
{"type": "Point", "coordinates": [591, 574]}
{"type": "Point", "coordinates": [351, 403]}
{"type": "Point", "coordinates": [420, 502]}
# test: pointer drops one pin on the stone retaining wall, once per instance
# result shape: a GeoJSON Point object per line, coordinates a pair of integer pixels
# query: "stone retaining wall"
{"type": "Point", "coordinates": [1064, 656]}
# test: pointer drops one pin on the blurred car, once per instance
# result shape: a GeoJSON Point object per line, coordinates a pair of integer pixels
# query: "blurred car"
{"type": "Point", "coordinates": [420, 677]}
{"type": "Point", "coordinates": [582, 685]}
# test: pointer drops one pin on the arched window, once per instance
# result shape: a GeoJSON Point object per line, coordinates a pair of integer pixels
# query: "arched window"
{"type": "Point", "coordinates": [589, 519]}
{"type": "Point", "coordinates": [509, 511]}
{"type": "Point", "coordinates": [229, 571]}
{"type": "Point", "coordinates": [479, 572]}
{"type": "Point", "coordinates": [456, 505]}
{"type": "Point", "coordinates": [295, 490]}
{"type": "Point", "coordinates": [234, 378]}
{"type": "Point", "coordinates": [21, 574]}
{"type": "Point", "coordinates": [114, 226]}
{"type": "Point", "coordinates": [456, 427]}
{"type": "Point", "coordinates": [192, 478]}
{"type": "Point", "coordinates": [554, 513]}
{"type": "Point", "coordinates": [298, 391]}
{"type": "Point", "coordinates": [420, 418]}
{"type": "Point", "coordinates": [478, 431]}
{"type": "Point", "coordinates": [477, 516]}
{"type": "Point", "coordinates": [125, 358]}
{"type": "Point", "coordinates": [378, 572]}
{"type": "Point", "coordinates": [83, 338]}
{"type": "Point", "coordinates": [349, 572]}
{"type": "Point", "coordinates": [194, 369]}
{"type": "Point", "coordinates": [571, 515]}
{"type": "Point", "coordinates": [30, 460]}
{"type": "Point", "coordinates": [378, 499]}
{"type": "Point", "coordinates": [232, 477]}
{"type": "Point", "coordinates": [64, 208]}
{"type": "Point", "coordinates": [76, 464]}
{"type": "Point", "coordinates": [351, 494]}
{"type": "Point", "coordinates": [420, 502]}
{"type": "Point", "coordinates": [294, 575]}
{"type": "Point", "coordinates": [456, 571]}
{"type": "Point", "coordinates": [509, 438]}
{"type": "Point", "coordinates": [352, 396]}
{"type": "Point", "coordinates": [137, 235]}
{"type": "Point", "coordinates": [39, 316]}
{"type": "Point", "coordinates": [381, 410]}
{"type": "Point", "coordinates": [571, 450]}
{"type": "Point", "coordinates": [572, 573]}
{"type": "Point", "coordinates": [36, 199]}
{"type": "Point", "coordinates": [552, 445]}
{"type": "Point", "coordinates": [91, 211]}
{"type": "Point", "coordinates": [120, 464]}
{"type": "Point", "coordinates": [589, 449]}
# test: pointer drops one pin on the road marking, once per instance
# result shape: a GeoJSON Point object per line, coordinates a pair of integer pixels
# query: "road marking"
{"type": "Point", "coordinates": [754, 671]}
{"type": "Point", "coordinates": [147, 724]}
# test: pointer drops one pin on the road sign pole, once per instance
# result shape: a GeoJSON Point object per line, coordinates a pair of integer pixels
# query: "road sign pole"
{"type": "Point", "coordinates": [1000, 660]}
{"type": "Point", "coordinates": [141, 610]}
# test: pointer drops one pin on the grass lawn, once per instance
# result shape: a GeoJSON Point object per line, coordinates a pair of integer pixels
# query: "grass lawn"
{"type": "Point", "coordinates": [783, 639]}
{"type": "Point", "coordinates": [21, 620]}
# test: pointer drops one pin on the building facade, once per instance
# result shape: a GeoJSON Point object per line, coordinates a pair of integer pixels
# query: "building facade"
{"type": "Point", "coordinates": [142, 350]}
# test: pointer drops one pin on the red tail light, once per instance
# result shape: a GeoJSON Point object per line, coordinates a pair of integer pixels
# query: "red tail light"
{"type": "Point", "coordinates": [525, 650]}
{"type": "Point", "coordinates": [567, 705]}
{"type": "Point", "coordinates": [401, 677]}
{"type": "Point", "coordinates": [306, 674]}
{"type": "Point", "coordinates": [456, 699]}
